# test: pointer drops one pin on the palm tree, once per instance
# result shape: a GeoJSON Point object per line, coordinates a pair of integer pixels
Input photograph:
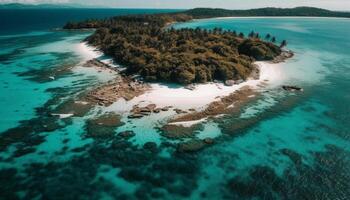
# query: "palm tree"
{"type": "Point", "coordinates": [268, 36]}
{"type": "Point", "coordinates": [251, 34]}
{"type": "Point", "coordinates": [273, 39]}
{"type": "Point", "coordinates": [257, 36]}
{"type": "Point", "coordinates": [234, 32]}
{"type": "Point", "coordinates": [283, 43]}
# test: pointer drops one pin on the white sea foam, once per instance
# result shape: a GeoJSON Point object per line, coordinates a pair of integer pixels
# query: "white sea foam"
{"type": "Point", "coordinates": [189, 123]}
{"type": "Point", "coordinates": [87, 52]}
{"type": "Point", "coordinates": [63, 116]}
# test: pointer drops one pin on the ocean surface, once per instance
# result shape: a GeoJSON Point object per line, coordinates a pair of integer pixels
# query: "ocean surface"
{"type": "Point", "coordinates": [281, 146]}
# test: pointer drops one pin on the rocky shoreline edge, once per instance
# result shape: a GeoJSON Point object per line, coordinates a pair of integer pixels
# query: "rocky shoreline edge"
{"type": "Point", "coordinates": [183, 122]}
{"type": "Point", "coordinates": [128, 87]}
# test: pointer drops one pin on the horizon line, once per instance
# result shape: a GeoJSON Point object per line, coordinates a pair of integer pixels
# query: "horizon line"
{"type": "Point", "coordinates": [79, 6]}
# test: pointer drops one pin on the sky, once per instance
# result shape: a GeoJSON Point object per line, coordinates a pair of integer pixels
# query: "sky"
{"type": "Point", "coordinates": [229, 4]}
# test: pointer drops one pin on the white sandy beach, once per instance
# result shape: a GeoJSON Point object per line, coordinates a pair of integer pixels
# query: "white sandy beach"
{"type": "Point", "coordinates": [203, 94]}
{"type": "Point", "coordinates": [179, 97]}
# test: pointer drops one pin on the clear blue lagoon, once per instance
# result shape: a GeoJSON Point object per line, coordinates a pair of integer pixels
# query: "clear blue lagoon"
{"type": "Point", "coordinates": [293, 146]}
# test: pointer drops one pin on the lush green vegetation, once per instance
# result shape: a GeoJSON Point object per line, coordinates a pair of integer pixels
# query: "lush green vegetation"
{"type": "Point", "coordinates": [299, 11]}
{"type": "Point", "coordinates": [146, 46]}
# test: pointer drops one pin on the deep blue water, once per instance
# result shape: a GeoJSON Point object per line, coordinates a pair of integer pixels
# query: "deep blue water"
{"type": "Point", "coordinates": [19, 21]}
{"type": "Point", "coordinates": [293, 146]}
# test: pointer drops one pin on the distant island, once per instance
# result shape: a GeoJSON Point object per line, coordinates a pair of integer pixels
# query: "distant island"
{"type": "Point", "coordinates": [147, 46]}
{"type": "Point", "coordinates": [199, 13]}
{"type": "Point", "coordinates": [41, 6]}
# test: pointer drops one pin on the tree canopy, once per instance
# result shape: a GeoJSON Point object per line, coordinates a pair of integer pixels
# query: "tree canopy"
{"type": "Point", "coordinates": [145, 45]}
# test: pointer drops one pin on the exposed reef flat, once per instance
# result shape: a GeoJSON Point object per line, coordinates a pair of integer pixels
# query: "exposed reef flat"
{"type": "Point", "coordinates": [217, 73]}
{"type": "Point", "coordinates": [228, 104]}
{"type": "Point", "coordinates": [206, 100]}
{"type": "Point", "coordinates": [179, 132]}
{"type": "Point", "coordinates": [214, 71]}
{"type": "Point", "coordinates": [103, 126]}
{"type": "Point", "coordinates": [109, 93]}
{"type": "Point", "coordinates": [121, 87]}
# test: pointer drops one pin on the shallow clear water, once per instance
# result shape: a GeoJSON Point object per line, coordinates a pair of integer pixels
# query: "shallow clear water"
{"type": "Point", "coordinates": [290, 147]}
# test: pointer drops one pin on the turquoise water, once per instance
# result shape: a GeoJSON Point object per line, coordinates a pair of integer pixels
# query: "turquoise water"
{"type": "Point", "coordinates": [292, 146]}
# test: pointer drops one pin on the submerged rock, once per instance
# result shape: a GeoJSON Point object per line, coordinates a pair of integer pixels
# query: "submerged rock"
{"type": "Point", "coordinates": [75, 108]}
{"type": "Point", "coordinates": [177, 131]}
{"type": "Point", "coordinates": [126, 134]}
{"type": "Point", "coordinates": [208, 141]}
{"type": "Point", "coordinates": [295, 157]}
{"type": "Point", "coordinates": [135, 116]}
{"type": "Point", "coordinates": [104, 126]}
{"type": "Point", "coordinates": [292, 88]}
{"type": "Point", "coordinates": [151, 146]}
{"type": "Point", "coordinates": [191, 146]}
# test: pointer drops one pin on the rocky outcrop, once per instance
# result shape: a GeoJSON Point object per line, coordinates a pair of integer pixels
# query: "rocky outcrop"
{"type": "Point", "coordinates": [121, 88]}
{"type": "Point", "coordinates": [135, 116]}
{"type": "Point", "coordinates": [234, 82]}
{"type": "Point", "coordinates": [179, 111]}
{"type": "Point", "coordinates": [285, 54]}
{"type": "Point", "coordinates": [292, 88]}
{"type": "Point", "coordinates": [190, 87]}
{"type": "Point", "coordinates": [139, 112]}
{"type": "Point", "coordinates": [99, 64]}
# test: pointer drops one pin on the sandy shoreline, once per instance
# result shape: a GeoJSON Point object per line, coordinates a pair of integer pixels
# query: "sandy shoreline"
{"type": "Point", "coordinates": [203, 94]}
{"type": "Point", "coordinates": [179, 97]}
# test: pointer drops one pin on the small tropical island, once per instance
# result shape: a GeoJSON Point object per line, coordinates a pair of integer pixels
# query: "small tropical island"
{"type": "Point", "coordinates": [142, 104]}
{"type": "Point", "coordinates": [221, 68]}
{"type": "Point", "coordinates": [148, 46]}
{"type": "Point", "coordinates": [216, 68]}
